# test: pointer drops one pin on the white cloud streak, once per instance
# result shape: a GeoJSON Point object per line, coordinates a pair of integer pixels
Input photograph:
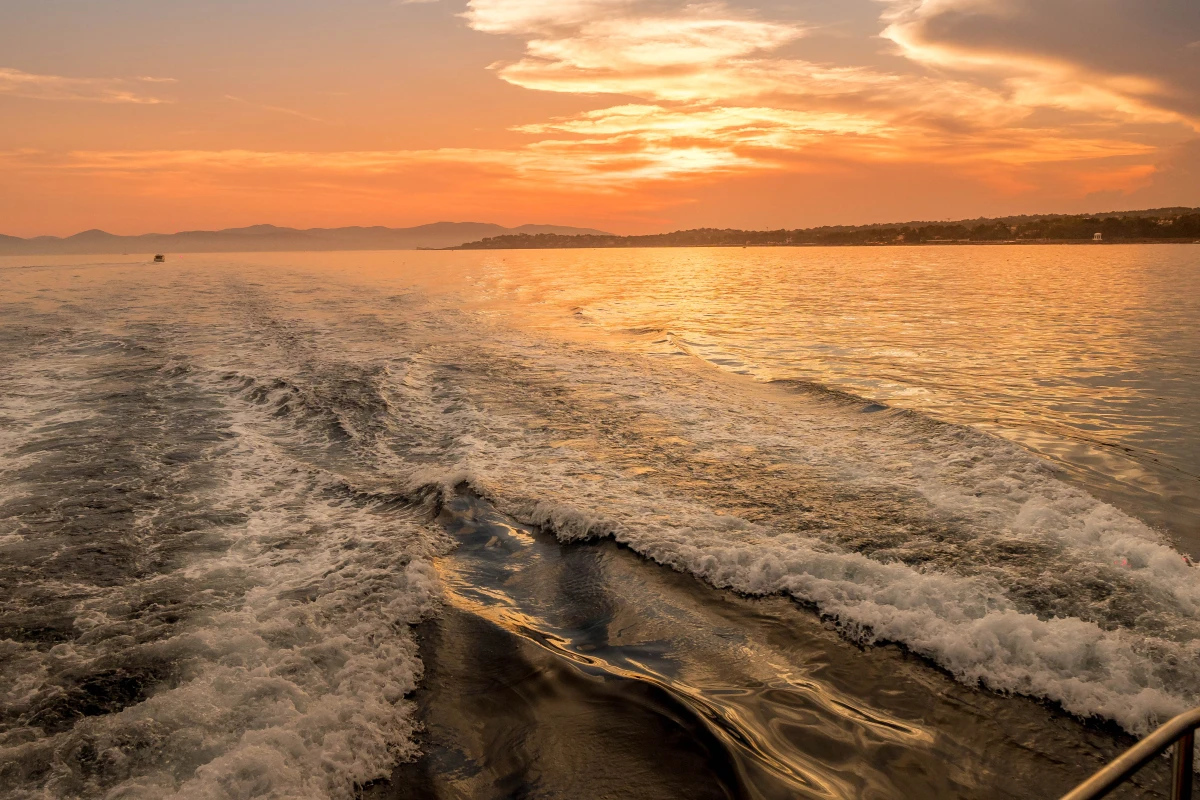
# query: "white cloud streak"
{"type": "Point", "coordinates": [291, 112]}
{"type": "Point", "coordinates": [15, 83]}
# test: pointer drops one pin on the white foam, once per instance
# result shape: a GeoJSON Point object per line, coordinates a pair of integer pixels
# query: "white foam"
{"type": "Point", "coordinates": [966, 625]}
{"type": "Point", "coordinates": [31, 407]}
{"type": "Point", "coordinates": [294, 660]}
{"type": "Point", "coordinates": [966, 611]}
{"type": "Point", "coordinates": [587, 441]}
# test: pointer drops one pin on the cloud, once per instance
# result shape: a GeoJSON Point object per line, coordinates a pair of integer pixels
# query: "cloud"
{"type": "Point", "coordinates": [705, 60]}
{"type": "Point", "coordinates": [277, 109]}
{"type": "Point", "coordinates": [690, 93]}
{"type": "Point", "coordinates": [718, 89]}
{"type": "Point", "coordinates": [599, 166]}
{"type": "Point", "coordinates": [16, 83]}
{"type": "Point", "coordinates": [707, 54]}
{"type": "Point", "coordinates": [1128, 58]}
{"type": "Point", "coordinates": [533, 17]}
{"type": "Point", "coordinates": [1172, 182]}
{"type": "Point", "coordinates": [619, 47]}
{"type": "Point", "coordinates": [713, 79]}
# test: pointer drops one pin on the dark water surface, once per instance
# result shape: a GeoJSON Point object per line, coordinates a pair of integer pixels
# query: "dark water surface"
{"type": "Point", "coordinates": [575, 525]}
{"type": "Point", "coordinates": [580, 671]}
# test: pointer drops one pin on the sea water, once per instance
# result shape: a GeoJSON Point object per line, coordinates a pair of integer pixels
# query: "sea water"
{"type": "Point", "coordinates": [880, 521]}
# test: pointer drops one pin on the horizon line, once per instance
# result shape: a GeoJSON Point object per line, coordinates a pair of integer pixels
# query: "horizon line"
{"type": "Point", "coordinates": [592, 228]}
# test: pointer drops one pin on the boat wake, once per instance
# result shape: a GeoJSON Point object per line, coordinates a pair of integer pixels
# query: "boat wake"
{"type": "Point", "coordinates": [224, 507]}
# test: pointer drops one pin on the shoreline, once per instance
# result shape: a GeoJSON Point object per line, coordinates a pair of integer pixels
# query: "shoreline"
{"type": "Point", "coordinates": [833, 244]}
{"type": "Point", "coordinates": [640, 246]}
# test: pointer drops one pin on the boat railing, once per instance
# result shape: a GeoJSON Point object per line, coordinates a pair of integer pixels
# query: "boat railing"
{"type": "Point", "coordinates": [1180, 731]}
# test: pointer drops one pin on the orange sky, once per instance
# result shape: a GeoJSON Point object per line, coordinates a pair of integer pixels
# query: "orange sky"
{"type": "Point", "coordinates": [628, 115]}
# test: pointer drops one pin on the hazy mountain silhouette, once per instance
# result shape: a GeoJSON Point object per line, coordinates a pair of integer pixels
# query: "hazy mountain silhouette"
{"type": "Point", "coordinates": [260, 238]}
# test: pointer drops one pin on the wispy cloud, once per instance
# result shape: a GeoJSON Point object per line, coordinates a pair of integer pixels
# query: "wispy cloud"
{"type": "Point", "coordinates": [605, 165]}
{"type": "Point", "coordinates": [16, 83]}
{"type": "Point", "coordinates": [277, 109]}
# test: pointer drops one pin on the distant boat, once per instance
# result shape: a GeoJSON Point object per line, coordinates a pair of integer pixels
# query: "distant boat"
{"type": "Point", "coordinates": [160, 258]}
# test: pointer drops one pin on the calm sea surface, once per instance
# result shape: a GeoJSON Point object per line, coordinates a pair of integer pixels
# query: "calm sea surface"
{"type": "Point", "coordinates": [802, 522]}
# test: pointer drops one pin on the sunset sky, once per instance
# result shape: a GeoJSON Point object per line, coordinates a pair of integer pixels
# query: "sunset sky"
{"type": "Point", "coordinates": [628, 115]}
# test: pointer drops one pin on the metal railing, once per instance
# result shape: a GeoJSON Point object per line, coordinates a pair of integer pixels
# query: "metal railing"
{"type": "Point", "coordinates": [1180, 731]}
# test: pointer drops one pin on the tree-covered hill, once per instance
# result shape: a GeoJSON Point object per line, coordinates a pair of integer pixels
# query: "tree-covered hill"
{"type": "Point", "coordinates": [1163, 224]}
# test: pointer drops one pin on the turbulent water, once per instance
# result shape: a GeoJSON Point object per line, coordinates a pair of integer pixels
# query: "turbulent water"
{"type": "Point", "coordinates": [687, 523]}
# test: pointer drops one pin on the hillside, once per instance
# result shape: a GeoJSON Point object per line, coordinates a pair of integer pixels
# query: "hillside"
{"type": "Point", "coordinates": [1164, 224]}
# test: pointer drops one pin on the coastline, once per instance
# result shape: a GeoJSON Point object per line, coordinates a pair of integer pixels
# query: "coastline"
{"type": "Point", "coordinates": [639, 246]}
{"type": "Point", "coordinates": [938, 243]}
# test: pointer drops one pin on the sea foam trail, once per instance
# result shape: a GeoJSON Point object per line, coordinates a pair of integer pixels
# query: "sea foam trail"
{"type": "Point", "coordinates": [990, 584]}
{"type": "Point", "coordinates": [965, 548]}
{"type": "Point", "coordinates": [194, 612]}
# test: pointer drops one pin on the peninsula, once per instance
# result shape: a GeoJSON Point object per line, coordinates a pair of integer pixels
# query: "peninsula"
{"type": "Point", "coordinates": [1153, 225]}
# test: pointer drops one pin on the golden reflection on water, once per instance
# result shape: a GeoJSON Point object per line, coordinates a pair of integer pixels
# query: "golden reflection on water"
{"type": "Point", "coordinates": [1090, 356]}
{"type": "Point", "coordinates": [1087, 355]}
{"type": "Point", "coordinates": [749, 694]}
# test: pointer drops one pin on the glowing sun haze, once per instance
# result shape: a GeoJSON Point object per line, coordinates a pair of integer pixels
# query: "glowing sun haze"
{"type": "Point", "coordinates": [630, 115]}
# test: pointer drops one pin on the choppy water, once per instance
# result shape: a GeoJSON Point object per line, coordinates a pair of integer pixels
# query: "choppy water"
{"type": "Point", "coordinates": [231, 486]}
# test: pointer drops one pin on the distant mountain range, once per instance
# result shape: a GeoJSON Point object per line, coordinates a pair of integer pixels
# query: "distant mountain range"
{"type": "Point", "coordinates": [262, 238]}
